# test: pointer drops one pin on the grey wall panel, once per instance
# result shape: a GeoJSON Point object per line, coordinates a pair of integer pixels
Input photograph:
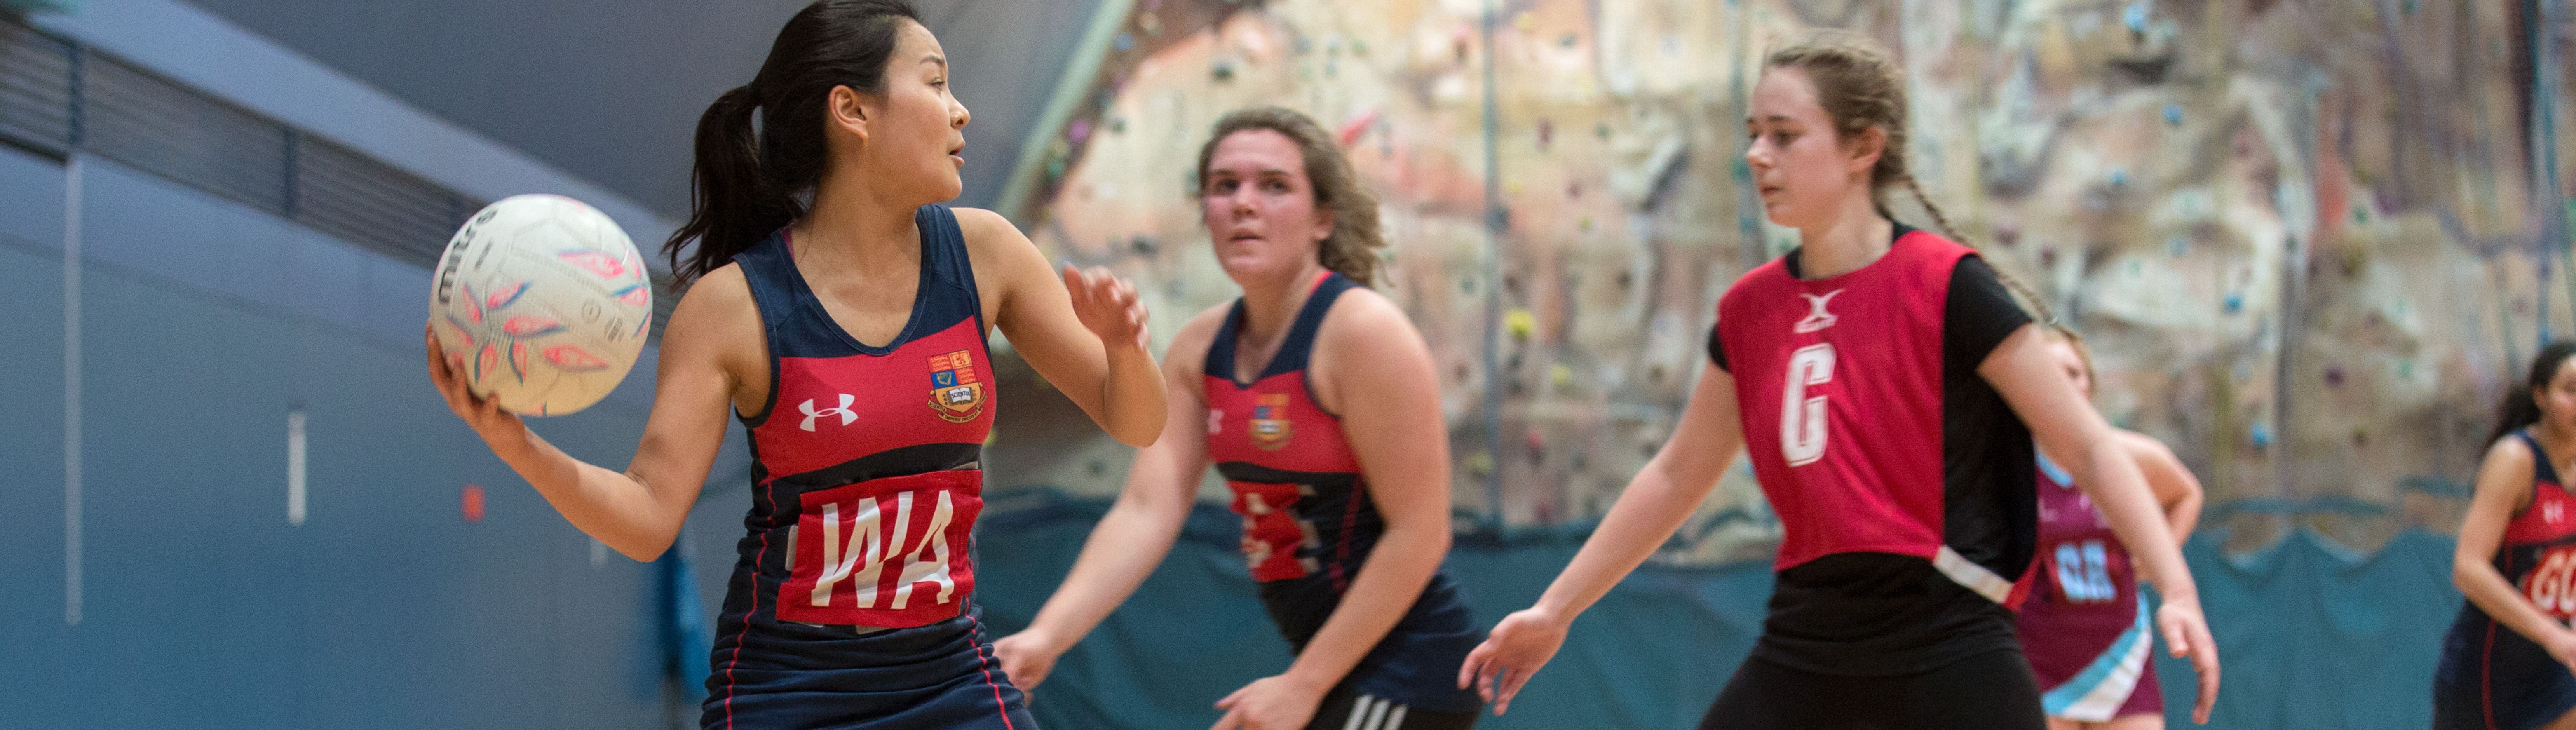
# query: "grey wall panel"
{"type": "Point", "coordinates": [151, 227]}
{"type": "Point", "coordinates": [612, 91]}
{"type": "Point", "coordinates": [31, 428]}
{"type": "Point", "coordinates": [385, 607]}
{"type": "Point", "coordinates": [201, 50]}
{"type": "Point", "coordinates": [31, 474]}
{"type": "Point", "coordinates": [204, 322]}
{"type": "Point", "coordinates": [608, 91]}
{"type": "Point", "coordinates": [31, 200]}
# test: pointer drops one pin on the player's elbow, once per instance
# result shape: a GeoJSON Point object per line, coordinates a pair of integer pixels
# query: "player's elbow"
{"type": "Point", "coordinates": [1137, 437]}
{"type": "Point", "coordinates": [642, 552]}
{"type": "Point", "coordinates": [646, 545]}
{"type": "Point", "coordinates": [1139, 429]}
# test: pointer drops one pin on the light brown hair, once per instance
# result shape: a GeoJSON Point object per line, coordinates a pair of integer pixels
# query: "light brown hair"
{"type": "Point", "coordinates": [1861, 88]}
{"type": "Point", "coordinates": [1351, 249]}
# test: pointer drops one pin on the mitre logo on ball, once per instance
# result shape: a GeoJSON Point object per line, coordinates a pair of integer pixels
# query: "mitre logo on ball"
{"type": "Point", "coordinates": [541, 302]}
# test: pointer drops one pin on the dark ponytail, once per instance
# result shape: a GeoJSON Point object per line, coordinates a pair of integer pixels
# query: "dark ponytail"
{"type": "Point", "coordinates": [2518, 409]}
{"type": "Point", "coordinates": [747, 183]}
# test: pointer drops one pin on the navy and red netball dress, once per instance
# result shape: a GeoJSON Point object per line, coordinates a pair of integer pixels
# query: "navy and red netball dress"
{"type": "Point", "coordinates": [1308, 523]}
{"type": "Point", "coordinates": [2492, 677]}
{"type": "Point", "coordinates": [851, 605]}
{"type": "Point", "coordinates": [2084, 625]}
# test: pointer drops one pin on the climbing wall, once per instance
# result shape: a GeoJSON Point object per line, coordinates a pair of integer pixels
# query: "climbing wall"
{"type": "Point", "coordinates": [2306, 239]}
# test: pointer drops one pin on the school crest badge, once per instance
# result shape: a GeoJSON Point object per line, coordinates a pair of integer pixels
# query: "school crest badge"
{"type": "Point", "coordinates": [1270, 427]}
{"type": "Point", "coordinates": [955, 393]}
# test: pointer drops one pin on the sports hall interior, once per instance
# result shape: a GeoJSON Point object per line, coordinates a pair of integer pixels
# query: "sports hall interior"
{"type": "Point", "coordinates": [2310, 243]}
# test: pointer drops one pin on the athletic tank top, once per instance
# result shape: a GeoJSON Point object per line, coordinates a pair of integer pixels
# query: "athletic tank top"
{"type": "Point", "coordinates": [2491, 675]}
{"type": "Point", "coordinates": [1901, 479]}
{"type": "Point", "coordinates": [866, 474]}
{"type": "Point", "coordinates": [1308, 523]}
{"type": "Point", "coordinates": [2539, 550]}
{"type": "Point", "coordinates": [2538, 554]}
{"type": "Point", "coordinates": [2082, 622]}
{"type": "Point", "coordinates": [2082, 582]}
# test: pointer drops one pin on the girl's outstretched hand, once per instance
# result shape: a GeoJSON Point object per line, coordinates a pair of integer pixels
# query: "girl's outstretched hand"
{"type": "Point", "coordinates": [2187, 634]}
{"type": "Point", "coordinates": [1518, 646]}
{"type": "Point", "coordinates": [1107, 305]}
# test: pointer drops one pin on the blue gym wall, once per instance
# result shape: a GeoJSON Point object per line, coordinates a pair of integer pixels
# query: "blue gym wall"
{"type": "Point", "coordinates": [202, 324]}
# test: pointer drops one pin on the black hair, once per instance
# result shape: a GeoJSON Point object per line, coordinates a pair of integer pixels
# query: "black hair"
{"type": "Point", "coordinates": [2518, 409]}
{"type": "Point", "coordinates": [744, 187]}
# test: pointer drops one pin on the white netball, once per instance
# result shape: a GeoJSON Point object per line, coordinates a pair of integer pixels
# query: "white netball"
{"type": "Point", "coordinates": [542, 302]}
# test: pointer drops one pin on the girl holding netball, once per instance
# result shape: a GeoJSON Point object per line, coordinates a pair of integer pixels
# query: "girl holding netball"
{"type": "Point", "coordinates": [1888, 390]}
{"type": "Point", "coordinates": [840, 314]}
{"type": "Point", "coordinates": [1317, 401]}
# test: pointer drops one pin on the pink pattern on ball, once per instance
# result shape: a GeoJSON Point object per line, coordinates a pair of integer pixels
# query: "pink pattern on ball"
{"type": "Point", "coordinates": [529, 325]}
{"type": "Point", "coordinates": [503, 296]}
{"type": "Point", "coordinates": [575, 359]}
{"type": "Point", "coordinates": [519, 360]}
{"type": "Point", "coordinates": [606, 266]}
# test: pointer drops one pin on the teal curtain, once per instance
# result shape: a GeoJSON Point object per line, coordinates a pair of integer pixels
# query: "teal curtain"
{"type": "Point", "coordinates": [2313, 635]}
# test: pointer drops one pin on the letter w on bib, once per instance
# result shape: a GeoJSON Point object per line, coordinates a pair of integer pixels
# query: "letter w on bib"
{"type": "Point", "coordinates": [891, 552]}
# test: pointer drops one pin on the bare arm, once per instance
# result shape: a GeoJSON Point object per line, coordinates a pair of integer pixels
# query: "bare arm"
{"type": "Point", "coordinates": [1083, 331]}
{"type": "Point", "coordinates": [1137, 532]}
{"type": "Point", "coordinates": [2176, 489]}
{"type": "Point", "coordinates": [2022, 369]}
{"type": "Point", "coordinates": [2503, 488]}
{"type": "Point", "coordinates": [638, 512]}
{"type": "Point", "coordinates": [1656, 502]}
{"type": "Point", "coordinates": [1376, 367]}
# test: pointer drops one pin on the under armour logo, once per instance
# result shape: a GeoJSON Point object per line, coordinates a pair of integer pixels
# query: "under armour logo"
{"type": "Point", "coordinates": [844, 410]}
{"type": "Point", "coordinates": [1818, 318]}
{"type": "Point", "coordinates": [2553, 512]}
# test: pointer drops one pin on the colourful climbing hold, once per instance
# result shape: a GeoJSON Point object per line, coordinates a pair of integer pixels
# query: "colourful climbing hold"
{"type": "Point", "coordinates": [1520, 323]}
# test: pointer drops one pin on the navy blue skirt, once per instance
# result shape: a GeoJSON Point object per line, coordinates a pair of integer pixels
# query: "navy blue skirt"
{"type": "Point", "coordinates": [2491, 678]}
{"type": "Point", "coordinates": [783, 675]}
